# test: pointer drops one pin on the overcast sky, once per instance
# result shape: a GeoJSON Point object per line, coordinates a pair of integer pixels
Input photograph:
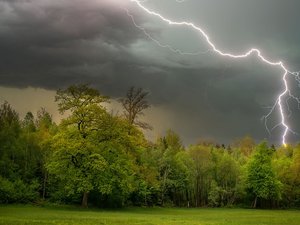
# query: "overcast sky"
{"type": "Point", "coordinates": [50, 44]}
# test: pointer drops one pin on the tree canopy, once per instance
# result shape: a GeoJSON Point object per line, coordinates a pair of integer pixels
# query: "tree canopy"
{"type": "Point", "coordinates": [93, 157]}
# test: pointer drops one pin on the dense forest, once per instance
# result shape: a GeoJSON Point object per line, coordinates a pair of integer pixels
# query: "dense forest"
{"type": "Point", "coordinates": [94, 157]}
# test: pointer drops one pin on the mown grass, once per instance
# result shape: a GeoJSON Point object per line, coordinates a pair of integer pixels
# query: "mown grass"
{"type": "Point", "coordinates": [18, 214]}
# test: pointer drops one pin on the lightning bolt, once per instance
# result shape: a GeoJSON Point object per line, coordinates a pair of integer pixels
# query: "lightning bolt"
{"type": "Point", "coordinates": [286, 92]}
{"type": "Point", "coordinates": [169, 47]}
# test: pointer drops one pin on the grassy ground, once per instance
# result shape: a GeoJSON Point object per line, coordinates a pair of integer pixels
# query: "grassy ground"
{"type": "Point", "coordinates": [137, 216]}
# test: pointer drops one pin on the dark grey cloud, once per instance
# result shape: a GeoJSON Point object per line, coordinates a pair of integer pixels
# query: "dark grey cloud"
{"type": "Point", "coordinates": [42, 41]}
{"type": "Point", "coordinates": [52, 44]}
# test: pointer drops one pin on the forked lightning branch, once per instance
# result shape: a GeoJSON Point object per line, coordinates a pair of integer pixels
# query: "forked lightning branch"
{"type": "Point", "coordinates": [280, 104]}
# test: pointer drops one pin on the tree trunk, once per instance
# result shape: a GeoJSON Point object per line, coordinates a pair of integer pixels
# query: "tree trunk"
{"type": "Point", "coordinates": [254, 203]}
{"type": "Point", "coordinates": [197, 191]}
{"type": "Point", "coordinates": [84, 203]}
{"type": "Point", "coordinates": [44, 184]}
{"type": "Point", "coordinates": [164, 187]}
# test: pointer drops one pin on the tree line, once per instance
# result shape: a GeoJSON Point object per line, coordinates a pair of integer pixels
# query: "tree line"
{"type": "Point", "coordinates": [95, 157]}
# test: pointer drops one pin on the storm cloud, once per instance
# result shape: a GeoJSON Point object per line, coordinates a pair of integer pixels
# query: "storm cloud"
{"type": "Point", "coordinates": [51, 44]}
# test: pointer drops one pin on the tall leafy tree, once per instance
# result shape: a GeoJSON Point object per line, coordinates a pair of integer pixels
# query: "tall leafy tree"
{"type": "Point", "coordinates": [227, 184]}
{"type": "Point", "coordinates": [44, 120]}
{"type": "Point", "coordinates": [287, 167]}
{"type": "Point", "coordinates": [10, 130]}
{"type": "Point", "coordinates": [18, 157]}
{"type": "Point", "coordinates": [93, 150]}
{"type": "Point", "coordinates": [45, 131]}
{"type": "Point", "coordinates": [86, 114]}
{"type": "Point", "coordinates": [202, 176]}
{"type": "Point", "coordinates": [78, 163]}
{"type": "Point", "coordinates": [170, 180]}
{"type": "Point", "coordinates": [30, 150]}
{"type": "Point", "coordinates": [295, 177]}
{"type": "Point", "coordinates": [28, 122]}
{"type": "Point", "coordinates": [261, 180]}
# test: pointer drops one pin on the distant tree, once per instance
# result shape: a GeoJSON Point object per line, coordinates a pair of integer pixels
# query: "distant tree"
{"type": "Point", "coordinates": [134, 105]}
{"type": "Point", "coordinates": [171, 141]}
{"type": "Point", "coordinates": [28, 122]}
{"type": "Point", "coordinates": [245, 145]}
{"type": "Point", "coordinates": [9, 117]}
{"type": "Point", "coordinates": [10, 130]}
{"type": "Point", "coordinates": [44, 120]}
{"type": "Point", "coordinates": [209, 142]}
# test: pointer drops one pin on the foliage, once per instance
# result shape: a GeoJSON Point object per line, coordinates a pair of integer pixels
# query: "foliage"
{"type": "Point", "coordinates": [261, 179]}
{"type": "Point", "coordinates": [83, 103]}
{"type": "Point", "coordinates": [18, 191]}
{"type": "Point", "coordinates": [102, 159]}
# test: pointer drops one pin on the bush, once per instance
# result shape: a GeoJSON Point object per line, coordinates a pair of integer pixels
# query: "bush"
{"type": "Point", "coordinates": [18, 191]}
{"type": "Point", "coordinates": [6, 190]}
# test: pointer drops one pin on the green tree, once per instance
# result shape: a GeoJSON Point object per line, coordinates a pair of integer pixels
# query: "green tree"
{"type": "Point", "coordinates": [86, 113]}
{"type": "Point", "coordinates": [168, 147]}
{"type": "Point", "coordinates": [18, 157]}
{"type": "Point", "coordinates": [78, 163]}
{"type": "Point", "coordinates": [29, 154]}
{"type": "Point", "coordinates": [295, 177]}
{"type": "Point", "coordinates": [227, 185]}
{"type": "Point", "coordinates": [28, 122]}
{"type": "Point", "coordinates": [287, 167]}
{"type": "Point", "coordinates": [182, 178]}
{"type": "Point", "coordinates": [148, 184]}
{"type": "Point", "coordinates": [202, 173]}
{"type": "Point", "coordinates": [45, 131]}
{"type": "Point", "coordinates": [93, 152]}
{"type": "Point", "coordinates": [261, 180]}
{"type": "Point", "coordinates": [44, 120]}
{"type": "Point", "coordinates": [10, 130]}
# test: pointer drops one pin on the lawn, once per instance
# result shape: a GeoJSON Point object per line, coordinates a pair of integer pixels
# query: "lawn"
{"type": "Point", "coordinates": [15, 214]}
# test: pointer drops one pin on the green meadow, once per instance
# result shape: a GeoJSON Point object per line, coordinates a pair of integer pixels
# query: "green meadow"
{"type": "Point", "coordinates": [21, 215]}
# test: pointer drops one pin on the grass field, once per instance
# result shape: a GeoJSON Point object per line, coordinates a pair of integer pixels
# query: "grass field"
{"type": "Point", "coordinates": [138, 216]}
